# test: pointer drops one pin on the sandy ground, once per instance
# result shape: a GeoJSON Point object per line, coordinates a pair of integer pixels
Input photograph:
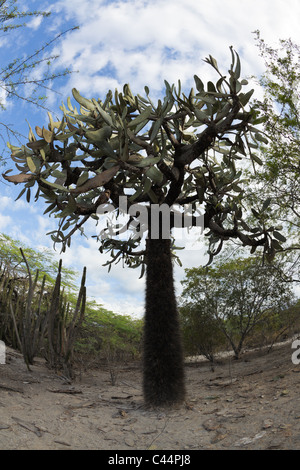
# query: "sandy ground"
{"type": "Point", "coordinates": [253, 403]}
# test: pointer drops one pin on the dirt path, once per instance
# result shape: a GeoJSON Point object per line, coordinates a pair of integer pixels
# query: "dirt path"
{"type": "Point", "coordinates": [253, 403]}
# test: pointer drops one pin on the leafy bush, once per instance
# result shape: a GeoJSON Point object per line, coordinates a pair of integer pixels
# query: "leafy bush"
{"type": "Point", "coordinates": [240, 296]}
{"type": "Point", "coordinates": [201, 332]}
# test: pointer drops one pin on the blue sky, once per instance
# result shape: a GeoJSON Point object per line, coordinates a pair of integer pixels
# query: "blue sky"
{"type": "Point", "coordinates": [142, 43]}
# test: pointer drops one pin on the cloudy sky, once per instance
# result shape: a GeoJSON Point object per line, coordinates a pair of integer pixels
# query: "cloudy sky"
{"type": "Point", "coordinates": [139, 42]}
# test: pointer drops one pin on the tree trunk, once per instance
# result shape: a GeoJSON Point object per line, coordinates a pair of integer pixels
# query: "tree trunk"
{"type": "Point", "coordinates": [163, 355]}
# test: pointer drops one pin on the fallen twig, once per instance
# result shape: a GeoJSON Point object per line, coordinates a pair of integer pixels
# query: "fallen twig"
{"type": "Point", "coordinates": [63, 443]}
{"type": "Point", "coordinates": [29, 426]}
{"type": "Point", "coordinates": [11, 389]}
{"type": "Point", "coordinates": [69, 391]}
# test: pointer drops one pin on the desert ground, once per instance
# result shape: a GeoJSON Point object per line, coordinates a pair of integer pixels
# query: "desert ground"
{"type": "Point", "coordinates": [251, 403]}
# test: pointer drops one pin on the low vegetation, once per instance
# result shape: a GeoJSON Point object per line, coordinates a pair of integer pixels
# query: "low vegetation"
{"type": "Point", "coordinates": [233, 305]}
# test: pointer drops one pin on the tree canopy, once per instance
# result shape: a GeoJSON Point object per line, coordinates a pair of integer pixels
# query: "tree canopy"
{"type": "Point", "coordinates": [186, 149]}
{"type": "Point", "coordinates": [277, 180]}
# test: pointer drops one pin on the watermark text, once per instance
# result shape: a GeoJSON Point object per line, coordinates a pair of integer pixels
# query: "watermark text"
{"type": "Point", "coordinates": [157, 220]}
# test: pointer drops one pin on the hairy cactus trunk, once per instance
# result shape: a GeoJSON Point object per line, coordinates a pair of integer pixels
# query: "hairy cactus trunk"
{"type": "Point", "coordinates": [163, 355]}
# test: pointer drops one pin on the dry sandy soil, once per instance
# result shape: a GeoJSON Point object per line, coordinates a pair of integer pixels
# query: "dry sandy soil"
{"type": "Point", "coordinates": [253, 403]}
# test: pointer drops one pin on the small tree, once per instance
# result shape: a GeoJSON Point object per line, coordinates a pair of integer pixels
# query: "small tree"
{"type": "Point", "coordinates": [41, 261]}
{"type": "Point", "coordinates": [183, 150]}
{"type": "Point", "coordinates": [278, 180]}
{"type": "Point", "coordinates": [238, 294]}
{"type": "Point", "coordinates": [200, 330]}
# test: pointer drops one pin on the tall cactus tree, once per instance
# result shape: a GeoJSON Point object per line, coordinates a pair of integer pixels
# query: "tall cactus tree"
{"type": "Point", "coordinates": [182, 150]}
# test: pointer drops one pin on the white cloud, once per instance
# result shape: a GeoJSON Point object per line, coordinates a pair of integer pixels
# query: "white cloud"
{"type": "Point", "coordinates": [9, 203]}
{"type": "Point", "coordinates": [5, 221]}
{"type": "Point", "coordinates": [126, 306]}
{"type": "Point", "coordinates": [45, 224]}
{"type": "Point", "coordinates": [35, 22]}
{"type": "Point", "coordinates": [144, 42]}
{"type": "Point", "coordinates": [5, 201]}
